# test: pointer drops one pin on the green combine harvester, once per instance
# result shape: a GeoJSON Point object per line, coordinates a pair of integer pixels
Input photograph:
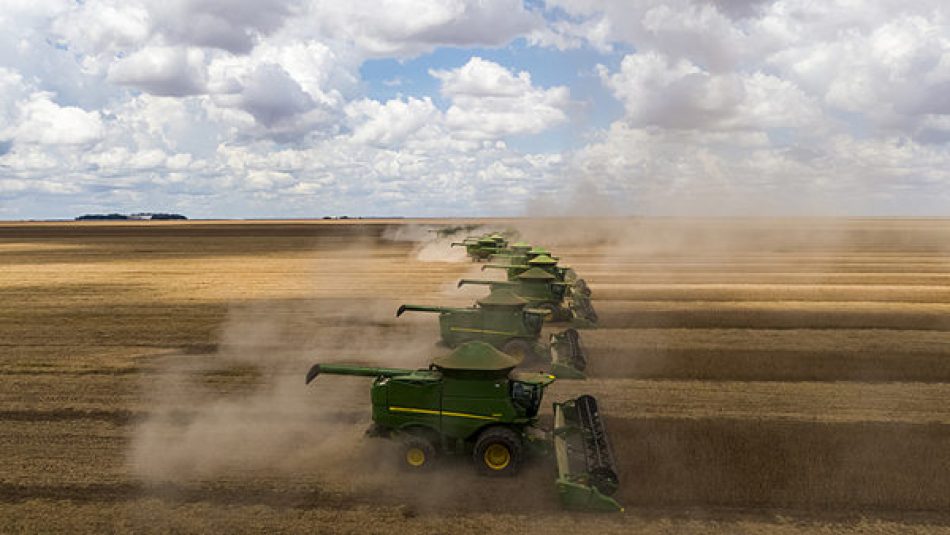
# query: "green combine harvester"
{"type": "Point", "coordinates": [541, 258]}
{"type": "Point", "coordinates": [504, 320]}
{"type": "Point", "coordinates": [515, 253]}
{"type": "Point", "coordinates": [472, 402]}
{"type": "Point", "coordinates": [542, 290]}
{"type": "Point", "coordinates": [522, 256]}
{"type": "Point", "coordinates": [483, 247]}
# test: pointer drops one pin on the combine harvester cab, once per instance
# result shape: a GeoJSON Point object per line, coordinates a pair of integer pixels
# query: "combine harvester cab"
{"type": "Point", "coordinates": [471, 402]}
{"type": "Point", "coordinates": [504, 320]}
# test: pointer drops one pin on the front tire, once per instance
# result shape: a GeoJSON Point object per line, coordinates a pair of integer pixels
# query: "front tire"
{"type": "Point", "coordinates": [498, 452]}
{"type": "Point", "coordinates": [418, 453]}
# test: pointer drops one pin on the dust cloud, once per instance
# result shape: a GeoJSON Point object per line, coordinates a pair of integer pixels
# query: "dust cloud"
{"type": "Point", "coordinates": [246, 410]}
{"type": "Point", "coordinates": [433, 243]}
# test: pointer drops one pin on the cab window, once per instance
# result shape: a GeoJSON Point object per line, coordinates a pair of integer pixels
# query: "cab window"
{"type": "Point", "coordinates": [526, 396]}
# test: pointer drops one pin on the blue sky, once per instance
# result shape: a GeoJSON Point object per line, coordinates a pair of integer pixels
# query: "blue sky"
{"type": "Point", "coordinates": [302, 108]}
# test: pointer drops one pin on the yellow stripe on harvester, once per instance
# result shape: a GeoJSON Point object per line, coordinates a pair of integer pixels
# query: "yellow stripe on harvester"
{"type": "Point", "coordinates": [442, 413]}
{"type": "Point", "coordinates": [467, 330]}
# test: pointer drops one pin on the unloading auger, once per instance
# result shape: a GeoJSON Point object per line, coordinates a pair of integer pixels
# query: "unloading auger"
{"type": "Point", "coordinates": [505, 321]}
{"type": "Point", "coordinates": [472, 402]}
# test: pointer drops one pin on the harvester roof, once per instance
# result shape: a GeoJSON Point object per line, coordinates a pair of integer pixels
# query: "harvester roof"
{"type": "Point", "coordinates": [542, 260]}
{"type": "Point", "coordinates": [485, 240]}
{"type": "Point", "coordinates": [503, 298]}
{"type": "Point", "coordinates": [476, 356]}
{"type": "Point", "coordinates": [538, 250]}
{"type": "Point", "coordinates": [536, 274]}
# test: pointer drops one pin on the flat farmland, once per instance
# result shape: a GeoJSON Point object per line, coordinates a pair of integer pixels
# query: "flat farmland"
{"type": "Point", "coordinates": [757, 376]}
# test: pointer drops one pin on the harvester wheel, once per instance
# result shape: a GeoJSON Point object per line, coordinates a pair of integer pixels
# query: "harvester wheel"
{"type": "Point", "coordinates": [498, 452]}
{"type": "Point", "coordinates": [519, 348]}
{"type": "Point", "coordinates": [418, 453]}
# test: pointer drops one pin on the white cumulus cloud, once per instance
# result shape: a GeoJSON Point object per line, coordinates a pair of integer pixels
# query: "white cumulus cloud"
{"type": "Point", "coordinates": [392, 122]}
{"type": "Point", "coordinates": [42, 121]}
{"type": "Point", "coordinates": [408, 27]}
{"type": "Point", "coordinates": [489, 101]}
{"type": "Point", "coordinates": [678, 94]}
{"type": "Point", "coordinates": [161, 70]}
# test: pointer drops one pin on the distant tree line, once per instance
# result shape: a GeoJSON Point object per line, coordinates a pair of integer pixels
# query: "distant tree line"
{"type": "Point", "coordinates": [142, 216]}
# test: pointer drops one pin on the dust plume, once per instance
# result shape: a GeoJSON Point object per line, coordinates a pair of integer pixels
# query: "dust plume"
{"type": "Point", "coordinates": [729, 272]}
{"type": "Point", "coordinates": [245, 409]}
{"type": "Point", "coordinates": [432, 243]}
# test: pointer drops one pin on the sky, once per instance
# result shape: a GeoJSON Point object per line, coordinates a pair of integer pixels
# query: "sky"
{"type": "Point", "coordinates": [307, 108]}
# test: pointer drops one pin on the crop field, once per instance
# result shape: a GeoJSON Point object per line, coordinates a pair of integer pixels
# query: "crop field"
{"type": "Point", "coordinates": [757, 376]}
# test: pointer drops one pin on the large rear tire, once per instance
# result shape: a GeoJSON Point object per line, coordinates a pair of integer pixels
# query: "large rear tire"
{"type": "Point", "coordinates": [498, 452]}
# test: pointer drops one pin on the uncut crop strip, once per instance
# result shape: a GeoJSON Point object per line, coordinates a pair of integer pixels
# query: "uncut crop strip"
{"type": "Point", "coordinates": [770, 354]}
{"type": "Point", "coordinates": [799, 401]}
{"type": "Point", "coordinates": [778, 278]}
{"type": "Point", "coordinates": [775, 315]}
{"type": "Point", "coordinates": [934, 293]}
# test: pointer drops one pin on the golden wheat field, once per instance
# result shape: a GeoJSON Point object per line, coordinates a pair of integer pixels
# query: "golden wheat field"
{"type": "Point", "coordinates": [757, 376]}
